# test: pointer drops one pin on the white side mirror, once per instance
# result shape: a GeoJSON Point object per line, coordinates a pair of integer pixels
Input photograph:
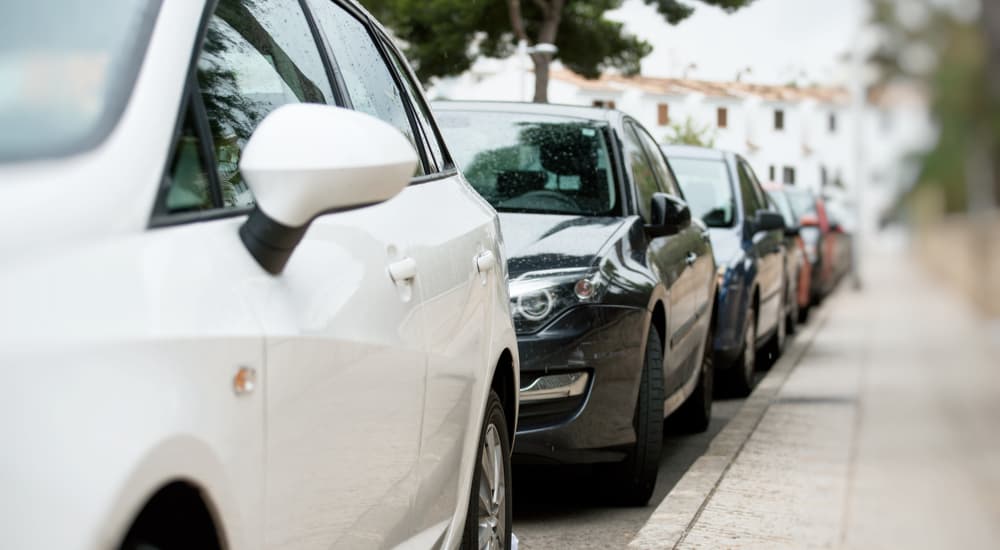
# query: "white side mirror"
{"type": "Point", "coordinates": [304, 160]}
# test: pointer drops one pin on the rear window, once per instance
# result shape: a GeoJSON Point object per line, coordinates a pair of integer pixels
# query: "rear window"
{"type": "Point", "coordinates": [66, 70]}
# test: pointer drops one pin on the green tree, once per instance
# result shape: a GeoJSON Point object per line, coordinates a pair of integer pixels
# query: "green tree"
{"type": "Point", "coordinates": [689, 133]}
{"type": "Point", "coordinates": [444, 37]}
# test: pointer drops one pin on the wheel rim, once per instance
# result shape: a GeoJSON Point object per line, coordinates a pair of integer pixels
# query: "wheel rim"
{"type": "Point", "coordinates": [492, 492]}
{"type": "Point", "coordinates": [749, 349]}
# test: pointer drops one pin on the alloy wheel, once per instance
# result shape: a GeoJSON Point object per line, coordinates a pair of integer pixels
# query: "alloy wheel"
{"type": "Point", "coordinates": [492, 491]}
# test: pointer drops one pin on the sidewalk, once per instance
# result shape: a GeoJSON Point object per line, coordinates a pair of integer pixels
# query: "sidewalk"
{"type": "Point", "coordinates": [884, 434]}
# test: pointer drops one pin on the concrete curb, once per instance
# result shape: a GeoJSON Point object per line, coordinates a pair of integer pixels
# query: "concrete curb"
{"type": "Point", "coordinates": [680, 509]}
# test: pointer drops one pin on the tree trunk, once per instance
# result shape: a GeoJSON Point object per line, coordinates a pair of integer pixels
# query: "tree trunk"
{"type": "Point", "coordinates": [542, 63]}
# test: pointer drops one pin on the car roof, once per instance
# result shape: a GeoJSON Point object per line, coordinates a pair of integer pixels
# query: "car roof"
{"type": "Point", "coordinates": [595, 114]}
{"type": "Point", "coordinates": [693, 152]}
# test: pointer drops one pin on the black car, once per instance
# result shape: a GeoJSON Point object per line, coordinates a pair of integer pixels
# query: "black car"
{"type": "Point", "coordinates": [612, 285]}
{"type": "Point", "coordinates": [749, 243]}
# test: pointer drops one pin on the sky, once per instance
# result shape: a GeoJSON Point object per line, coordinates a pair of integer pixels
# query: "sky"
{"type": "Point", "coordinates": [779, 40]}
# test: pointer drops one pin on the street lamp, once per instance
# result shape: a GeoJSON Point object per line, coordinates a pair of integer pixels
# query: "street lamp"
{"type": "Point", "coordinates": [526, 51]}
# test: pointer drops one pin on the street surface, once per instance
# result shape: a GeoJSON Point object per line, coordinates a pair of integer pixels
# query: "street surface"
{"type": "Point", "coordinates": [878, 429]}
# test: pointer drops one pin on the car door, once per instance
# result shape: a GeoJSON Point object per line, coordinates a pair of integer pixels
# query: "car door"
{"type": "Point", "coordinates": [666, 257]}
{"type": "Point", "coordinates": [766, 249]}
{"type": "Point", "coordinates": [464, 277]}
{"type": "Point", "coordinates": [696, 279]}
{"type": "Point", "coordinates": [344, 345]}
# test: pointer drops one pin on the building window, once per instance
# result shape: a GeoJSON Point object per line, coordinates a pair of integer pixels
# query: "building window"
{"type": "Point", "coordinates": [722, 117]}
{"type": "Point", "coordinates": [663, 114]}
{"type": "Point", "coordinates": [779, 119]}
{"type": "Point", "coordinates": [604, 103]}
{"type": "Point", "coordinates": [788, 174]}
{"type": "Point", "coordinates": [770, 173]}
{"type": "Point", "coordinates": [833, 123]}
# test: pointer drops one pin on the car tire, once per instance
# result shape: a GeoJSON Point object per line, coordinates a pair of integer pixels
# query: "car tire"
{"type": "Point", "coordinates": [804, 313]}
{"type": "Point", "coordinates": [696, 412]}
{"type": "Point", "coordinates": [740, 374]}
{"type": "Point", "coordinates": [489, 519]}
{"type": "Point", "coordinates": [792, 319]}
{"type": "Point", "coordinates": [631, 482]}
{"type": "Point", "coordinates": [775, 345]}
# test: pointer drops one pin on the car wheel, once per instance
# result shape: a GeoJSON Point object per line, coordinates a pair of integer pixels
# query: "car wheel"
{"type": "Point", "coordinates": [792, 319]}
{"type": "Point", "coordinates": [696, 412]}
{"type": "Point", "coordinates": [489, 518]}
{"type": "Point", "coordinates": [741, 374]}
{"type": "Point", "coordinates": [631, 481]}
{"type": "Point", "coordinates": [776, 343]}
{"type": "Point", "coordinates": [804, 313]}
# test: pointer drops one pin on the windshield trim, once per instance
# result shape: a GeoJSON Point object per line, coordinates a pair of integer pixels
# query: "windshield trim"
{"type": "Point", "coordinates": [117, 97]}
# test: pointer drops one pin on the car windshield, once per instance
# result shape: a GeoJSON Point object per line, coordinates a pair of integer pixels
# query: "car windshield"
{"type": "Point", "coordinates": [802, 203]}
{"type": "Point", "coordinates": [66, 69]}
{"type": "Point", "coordinates": [533, 163]}
{"type": "Point", "coordinates": [707, 189]}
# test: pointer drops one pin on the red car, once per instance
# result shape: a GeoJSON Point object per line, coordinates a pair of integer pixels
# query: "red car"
{"type": "Point", "coordinates": [820, 235]}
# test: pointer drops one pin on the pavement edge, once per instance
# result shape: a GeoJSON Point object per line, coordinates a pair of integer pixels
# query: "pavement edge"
{"type": "Point", "coordinates": [678, 512]}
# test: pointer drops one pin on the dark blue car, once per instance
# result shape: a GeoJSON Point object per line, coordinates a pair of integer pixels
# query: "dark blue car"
{"type": "Point", "coordinates": [748, 239]}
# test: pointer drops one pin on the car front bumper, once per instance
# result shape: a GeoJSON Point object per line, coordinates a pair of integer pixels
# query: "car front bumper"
{"type": "Point", "coordinates": [579, 381]}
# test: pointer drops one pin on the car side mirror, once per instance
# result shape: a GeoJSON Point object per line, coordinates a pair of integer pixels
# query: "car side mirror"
{"type": "Point", "coordinates": [305, 160]}
{"type": "Point", "coordinates": [792, 231]}
{"type": "Point", "coordinates": [766, 220]}
{"type": "Point", "coordinates": [835, 227]}
{"type": "Point", "coordinates": [668, 215]}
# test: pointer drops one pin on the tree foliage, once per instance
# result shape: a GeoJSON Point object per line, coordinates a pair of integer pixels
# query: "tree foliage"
{"type": "Point", "coordinates": [444, 37]}
{"type": "Point", "coordinates": [690, 133]}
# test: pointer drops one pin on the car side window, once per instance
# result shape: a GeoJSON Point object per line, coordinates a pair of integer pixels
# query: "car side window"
{"type": "Point", "coordinates": [758, 189]}
{"type": "Point", "coordinates": [660, 166]}
{"type": "Point", "coordinates": [366, 75]}
{"type": "Point", "coordinates": [254, 60]}
{"type": "Point", "coordinates": [422, 111]}
{"type": "Point", "coordinates": [642, 171]}
{"type": "Point", "coordinates": [188, 184]}
{"type": "Point", "coordinates": [751, 202]}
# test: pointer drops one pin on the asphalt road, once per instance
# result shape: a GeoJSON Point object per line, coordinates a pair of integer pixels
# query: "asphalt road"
{"type": "Point", "coordinates": [556, 507]}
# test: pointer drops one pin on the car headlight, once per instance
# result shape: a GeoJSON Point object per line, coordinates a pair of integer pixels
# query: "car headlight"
{"type": "Point", "coordinates": [537, 297]}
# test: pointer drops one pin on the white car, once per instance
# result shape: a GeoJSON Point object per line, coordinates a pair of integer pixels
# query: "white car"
{"type": "Point", "coordinates": [246, 300]}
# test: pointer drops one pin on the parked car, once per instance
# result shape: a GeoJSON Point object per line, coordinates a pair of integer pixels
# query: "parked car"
{"type": "Point", "coordinates": [748, 239]}
{"type": "Point", "coordinates": [842, 228]}
{"type": "Point", "coordinates": [233, 315]}
{"type": "Point", "coordinates": [797, 266]}
{"type": "Point", "coordinates": [611, 282]}
{"type": "Point", "coordinates": [819, 239]}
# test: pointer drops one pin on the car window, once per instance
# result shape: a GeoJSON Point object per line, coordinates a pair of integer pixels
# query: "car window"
{"type": "Point", "coordinates": [660, 167]}
{"type": "Point", "coordinates": [751, 202]}
{"type": "Point", "coordinates": [758, 189]}
{"type": "Point", "coordinates": [188, 184]}
{"type": "Point", "coordinates": [530, 163]}
{"type": "Point", "coordinates": [780, 201]}
{"type": "Point", "coordinates": [256, 57]}
{"type": "Point", "coordinates": [366, 75]}
{"type": "Point", "coordinates": [422, 111]}
{"type": "Point", "coordinates": [707, 189]}
{"type": "Point", "coordinates": [642, 171]}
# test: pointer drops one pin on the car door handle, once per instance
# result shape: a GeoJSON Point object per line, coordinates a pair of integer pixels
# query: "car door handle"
{"type": "Point", "coordinates": [691, 258]}
{"type": "Point", "coordinates": [485, 261]}
{"type": "Point", "coordinates": [403, 270]}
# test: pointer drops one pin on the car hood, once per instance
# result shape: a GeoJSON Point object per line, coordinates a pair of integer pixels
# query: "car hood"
{"type": "Point", "coordinates": [726, 244]}
{"type": "Point", "coordinates": [535, 242]}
